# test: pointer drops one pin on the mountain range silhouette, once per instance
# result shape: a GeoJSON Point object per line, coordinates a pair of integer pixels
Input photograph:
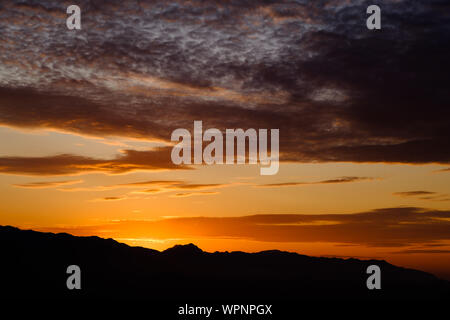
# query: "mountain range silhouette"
{"type": "Point", "coordinates": [34, 264]}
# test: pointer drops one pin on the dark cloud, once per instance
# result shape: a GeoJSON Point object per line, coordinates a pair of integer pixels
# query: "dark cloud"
{"type": "Point", "coordinates": [336, 91]}
{"type": "Point", "coordinates": [66, 164]}
{"type": "Point", "coordinates": [391, 227]}
{"type": "Point", "coordinates": [413, 193]}
{"type": "Point", "coordinates": [424, 195]}
{"type": "Point", "coordinates": [111, 198]}
{"type": "Point", "coordinates": [154, 190]}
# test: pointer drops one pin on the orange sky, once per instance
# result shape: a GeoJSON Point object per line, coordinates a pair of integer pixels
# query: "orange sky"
{"type": "Point", "coordinates": [147, 208]}
{"type": "Point", "coordinates": [86, 118]}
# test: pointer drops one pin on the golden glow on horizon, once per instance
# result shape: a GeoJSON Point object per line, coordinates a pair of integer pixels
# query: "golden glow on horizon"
{"type": "Point", "coordinates": [81, 204]}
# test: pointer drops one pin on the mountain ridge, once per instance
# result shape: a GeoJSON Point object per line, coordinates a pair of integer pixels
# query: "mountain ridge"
{"type": "Point", "coordinates": [36, 264]}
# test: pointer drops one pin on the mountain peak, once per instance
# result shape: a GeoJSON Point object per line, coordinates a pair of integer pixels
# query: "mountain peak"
{"type": "Point", "coordinates": [184, 249]}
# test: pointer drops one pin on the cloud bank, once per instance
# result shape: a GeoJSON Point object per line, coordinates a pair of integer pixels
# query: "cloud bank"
{"type": "Point", "coordinates": [390, 227]}
{"type": "Point", "coordinates": [337, 91]}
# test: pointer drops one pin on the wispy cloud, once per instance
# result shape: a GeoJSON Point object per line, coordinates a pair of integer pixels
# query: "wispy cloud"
{"type": "Point", "coordinates": [110, 199]}
{"type": "Point", "coordinates": [157, 187]}
{"type": "Point", "coordinates": [148, 183]}
{"type": "Point", "coordinates": [421, 251]}
{"type": "Point", "coordinates": [330, 181]}
{"type": "Point", "coordinates": [413, 193]}
{"type": "Point", "coordinates": [424, 195]}
{"type": "Point", "coordinates": [173, 186]}
{"type": "Point", "coordinates": [189, 194]}
{"type": "Point", "coordinates": [195, 186]}
{"type": "Point", "coordinates": [47, 184]}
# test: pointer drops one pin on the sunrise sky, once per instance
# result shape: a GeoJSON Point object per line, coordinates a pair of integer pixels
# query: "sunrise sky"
{"type": "Point", "coordinates": [86, 118]}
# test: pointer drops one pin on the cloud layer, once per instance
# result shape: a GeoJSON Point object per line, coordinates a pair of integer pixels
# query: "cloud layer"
{"type": "Point", "coordinates": [390, 227]}
{"type": "Point", "coordinates": [336, 91]}
{"type": "Point", "coordinates": [66, 164]}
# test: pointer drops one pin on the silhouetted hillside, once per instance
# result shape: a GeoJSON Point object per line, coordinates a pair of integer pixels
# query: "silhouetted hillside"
{"type": "Point", "coordinates": [33, 264]}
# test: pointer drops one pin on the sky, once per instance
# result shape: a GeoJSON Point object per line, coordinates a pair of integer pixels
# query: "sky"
{"type": "Point", "coordinates": [86, 118]}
